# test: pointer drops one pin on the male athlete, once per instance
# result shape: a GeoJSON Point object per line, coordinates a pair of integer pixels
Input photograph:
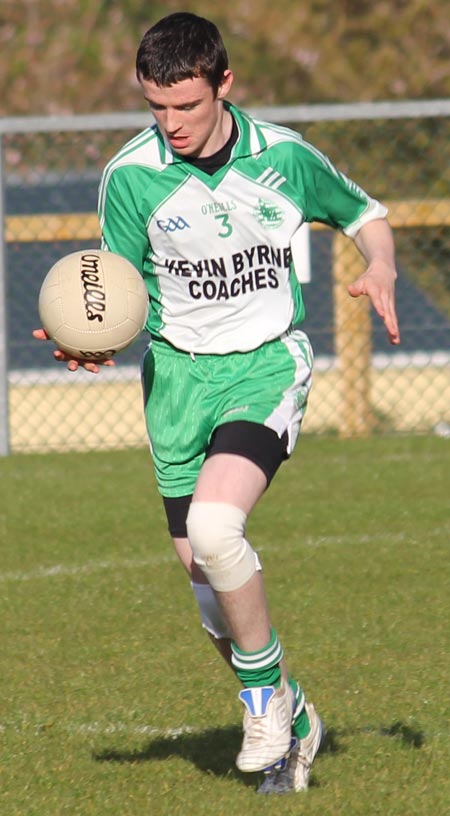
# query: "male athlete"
{"type": "Point", "coordinates": [205, 203]}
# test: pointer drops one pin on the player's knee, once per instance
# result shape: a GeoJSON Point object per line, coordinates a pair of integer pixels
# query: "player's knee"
{"type": "Point", "coordinates": [216, 535]}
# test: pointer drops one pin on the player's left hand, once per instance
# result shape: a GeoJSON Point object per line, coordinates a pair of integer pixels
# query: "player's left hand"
{"type": "Point", "coordinates": [73, 364]}
{"type": "Point", "coordinates": [378, 283]}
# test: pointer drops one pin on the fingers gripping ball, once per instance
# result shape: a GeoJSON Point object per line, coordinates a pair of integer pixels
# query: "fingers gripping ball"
{"type": "Point", "coordinates": [93, 304]}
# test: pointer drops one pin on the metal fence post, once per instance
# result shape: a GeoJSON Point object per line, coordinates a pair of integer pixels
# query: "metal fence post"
{"type": "Point", "coordinates": [4, 395]}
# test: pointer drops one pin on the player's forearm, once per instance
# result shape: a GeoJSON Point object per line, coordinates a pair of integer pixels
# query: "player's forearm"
{"type": "Point", "coordinates": [375, 242]}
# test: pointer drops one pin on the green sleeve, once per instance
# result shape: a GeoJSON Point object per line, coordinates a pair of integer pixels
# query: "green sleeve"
{"type": "Point", "coordinates": [324, 193]}
{"type": "Point", "coordinates": [123, 224]}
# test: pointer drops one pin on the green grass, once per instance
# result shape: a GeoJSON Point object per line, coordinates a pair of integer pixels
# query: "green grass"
{"type": "Point", "coordinates": [102, 658]}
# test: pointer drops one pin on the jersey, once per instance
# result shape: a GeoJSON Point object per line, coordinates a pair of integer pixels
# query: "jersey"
{"type": "Point", "coordinates": [215, 250]}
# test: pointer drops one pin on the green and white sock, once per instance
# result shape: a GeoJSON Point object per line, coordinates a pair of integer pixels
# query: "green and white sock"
{"type": "Point", "coordinates": [301, 725]}
{"type": "Point", "coordinates": [261, 668]}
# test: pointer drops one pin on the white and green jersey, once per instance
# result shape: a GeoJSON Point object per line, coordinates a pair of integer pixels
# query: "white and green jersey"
{"type": "Point", "coordinates": [214, 250]}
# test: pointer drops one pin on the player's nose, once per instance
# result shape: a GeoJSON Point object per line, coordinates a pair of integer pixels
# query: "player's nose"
{"type": "Point", "coordinates": [172, 123]}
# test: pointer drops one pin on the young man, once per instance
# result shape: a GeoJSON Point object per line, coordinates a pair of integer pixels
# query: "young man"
{"type": "Point", "coordinates": [205, 204]}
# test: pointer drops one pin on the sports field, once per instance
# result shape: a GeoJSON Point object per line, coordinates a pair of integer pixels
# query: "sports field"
{"type": "Point", "coordinates": [113, 703]}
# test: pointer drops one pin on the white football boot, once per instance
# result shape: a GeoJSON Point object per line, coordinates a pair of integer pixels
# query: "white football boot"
{"type": "Point", "coordinates": [267, 726]}
{"type": "Point", "coordinates": [293, 775]}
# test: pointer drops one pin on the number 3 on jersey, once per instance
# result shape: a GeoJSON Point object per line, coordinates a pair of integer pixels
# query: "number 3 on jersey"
{"type": "Point", "coordinates": [226, 228]}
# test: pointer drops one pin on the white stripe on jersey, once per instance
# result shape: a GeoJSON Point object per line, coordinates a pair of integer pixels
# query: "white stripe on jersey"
{"type": "Point", "coordinates": [255, 142]}
{"type": "Point", "coordinates": [271, 178]}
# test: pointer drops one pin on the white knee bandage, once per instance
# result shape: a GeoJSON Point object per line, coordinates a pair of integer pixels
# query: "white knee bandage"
{"type": "Point", "coordinates": [220, 549]}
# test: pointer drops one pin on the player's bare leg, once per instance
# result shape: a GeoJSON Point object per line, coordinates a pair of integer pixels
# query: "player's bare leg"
{"type": "Point", "coordinates": [198, 579]}
{"type": "Point", "coordinates": [238, 482]}
{"type": "Point", "coordinates": [221, 643]}
{"type": "Point", "coordinates": [227, 490]}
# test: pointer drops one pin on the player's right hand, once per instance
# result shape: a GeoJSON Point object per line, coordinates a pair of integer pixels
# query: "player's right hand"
{"type": "Point", "coordinates": [73, 364]}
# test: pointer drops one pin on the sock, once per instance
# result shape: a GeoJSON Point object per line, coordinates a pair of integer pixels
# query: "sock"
{"type": "Point", "coordinates": [300, 724]}
{"type": "Point", "coordinates": [261, 668]}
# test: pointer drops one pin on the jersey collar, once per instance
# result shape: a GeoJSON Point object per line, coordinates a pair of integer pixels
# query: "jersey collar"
{"type": "Point", "coordinates": [250, 141]}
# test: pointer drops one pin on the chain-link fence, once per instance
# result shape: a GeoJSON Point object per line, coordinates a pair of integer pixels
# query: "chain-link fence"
{"type": "Point", "coordinates": [397, 152]}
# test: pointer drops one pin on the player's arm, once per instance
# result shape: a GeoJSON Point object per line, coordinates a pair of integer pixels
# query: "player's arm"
{"type": "Point", "coordinates": [334, 199]}
{"type": "Point", "coordinates": [375, 242]}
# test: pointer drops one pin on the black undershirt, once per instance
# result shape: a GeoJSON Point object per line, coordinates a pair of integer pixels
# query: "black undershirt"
{"type": "Point", "coordinates": [210, 164]}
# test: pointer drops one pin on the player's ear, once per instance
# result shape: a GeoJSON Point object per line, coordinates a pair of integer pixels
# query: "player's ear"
{"type": "Point", "coordinates": [225, 85]}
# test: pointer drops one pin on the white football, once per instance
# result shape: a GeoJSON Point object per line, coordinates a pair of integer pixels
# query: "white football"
{"type": "Point", "coordinates": [93, 304]}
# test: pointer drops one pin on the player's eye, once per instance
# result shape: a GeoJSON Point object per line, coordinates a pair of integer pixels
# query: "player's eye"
{"type": "Point", "coordinates": [154, 105]}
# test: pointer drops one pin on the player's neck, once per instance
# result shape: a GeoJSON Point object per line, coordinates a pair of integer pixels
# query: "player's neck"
{"type": "Point", "coordinates": [227, 129]}
{"type": "Point", "coordinates": [220, 137]}
{"type": "Point", "coordinates": [211, 164]}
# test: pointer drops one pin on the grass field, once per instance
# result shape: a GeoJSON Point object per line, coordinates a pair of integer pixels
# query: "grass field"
{"type": "Point", "coordinates": [114, 703]}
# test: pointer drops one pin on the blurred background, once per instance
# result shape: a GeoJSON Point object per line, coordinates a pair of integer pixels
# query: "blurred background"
{"type": "Point", "coordinates": [369, 84]}
{"type": "Point", "coordinates": [77, 56]}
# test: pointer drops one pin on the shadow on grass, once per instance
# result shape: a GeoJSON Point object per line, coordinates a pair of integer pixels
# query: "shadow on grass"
{"type": "Point", "coordinates": [409, 736]}
{"type": "Point", "coordinates": [331, 743]}
{"type": "Point", "coordinates": [212, 751]}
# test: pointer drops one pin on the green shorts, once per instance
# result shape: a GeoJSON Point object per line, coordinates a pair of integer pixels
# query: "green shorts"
{"type": "Point", "coordinates": [188, 396]}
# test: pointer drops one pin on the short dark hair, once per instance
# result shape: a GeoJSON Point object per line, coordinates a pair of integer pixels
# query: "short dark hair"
{"type": "Point", "coordinates": [182, 46]}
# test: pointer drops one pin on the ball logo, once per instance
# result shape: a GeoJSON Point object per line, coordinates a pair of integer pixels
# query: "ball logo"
{"type": "Point", "coordinates": [96, 355]}
{"type": "Point", "coordinates": [92, 285]}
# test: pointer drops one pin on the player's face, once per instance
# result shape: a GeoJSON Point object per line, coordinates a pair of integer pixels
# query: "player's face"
{"type": "Point", "coordinates": [189, 115]}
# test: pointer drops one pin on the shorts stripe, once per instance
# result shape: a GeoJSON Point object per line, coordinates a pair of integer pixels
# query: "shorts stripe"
{"type": "Point", "coordinates": [288, 415]}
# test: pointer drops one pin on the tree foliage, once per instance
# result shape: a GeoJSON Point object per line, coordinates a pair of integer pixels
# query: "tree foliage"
{"type": "Point", "coordinates": [77, 56]}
